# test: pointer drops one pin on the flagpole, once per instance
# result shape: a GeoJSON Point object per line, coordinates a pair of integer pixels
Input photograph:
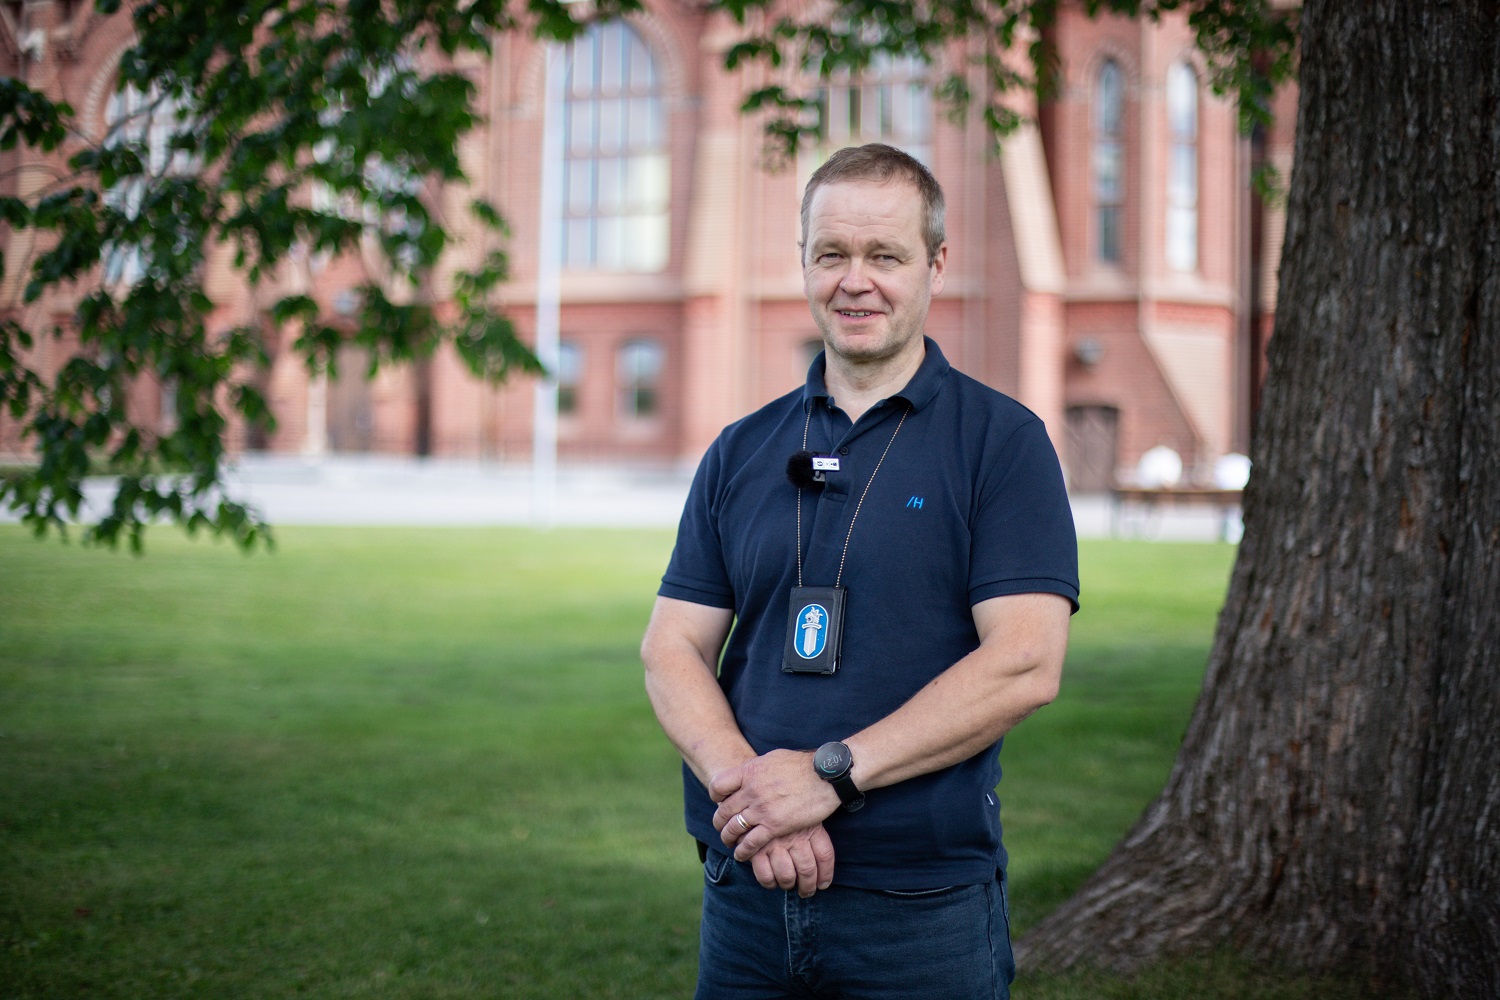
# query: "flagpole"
{"type": "Point", "coordinates": [548, 293]}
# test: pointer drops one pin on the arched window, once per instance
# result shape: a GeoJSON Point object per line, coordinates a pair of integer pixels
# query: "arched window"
{"type": "Point", "coordinates": [639, 373]}
{"type": "Point", "coordinates": [1182, 171]}
{"type": "Point", "coordinates": [1109, 161]}
{"type": "Point", "coordinates": [148, 124]}
{"type": "Point", "coordinates": [385, 182]}
{"type": "Point", "coordinates": [615, 183]}
{"type": "Point", "coordinates": [891, 102]}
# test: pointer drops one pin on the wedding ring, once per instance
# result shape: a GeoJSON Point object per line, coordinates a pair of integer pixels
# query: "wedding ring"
{"type": "Point", "coordinates": [744, 827]}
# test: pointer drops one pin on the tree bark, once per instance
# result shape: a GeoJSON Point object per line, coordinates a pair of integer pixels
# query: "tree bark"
{"type": "Point", "coordinates": [1336, 801]}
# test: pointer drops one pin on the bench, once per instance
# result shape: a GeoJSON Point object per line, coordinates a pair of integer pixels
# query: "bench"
{"type": "Point", "coordinates": [1148, 499]}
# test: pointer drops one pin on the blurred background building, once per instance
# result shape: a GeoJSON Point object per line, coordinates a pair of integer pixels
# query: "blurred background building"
{"type": "Point", "coordinates": [1110, 268]}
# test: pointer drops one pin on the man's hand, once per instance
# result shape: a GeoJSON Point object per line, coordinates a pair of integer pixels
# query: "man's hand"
{"type": "Point", "coordinates": [772, 796]}
{"type": "Point", "coordinates": [801, 861]}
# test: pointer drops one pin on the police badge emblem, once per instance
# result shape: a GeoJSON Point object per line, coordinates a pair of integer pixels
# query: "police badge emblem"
{"type": "Point", "coordinates": [815, 630]}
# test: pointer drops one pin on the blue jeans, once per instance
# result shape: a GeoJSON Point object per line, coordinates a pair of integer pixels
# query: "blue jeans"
{"type": "Point", "coordinates": [852, 944]}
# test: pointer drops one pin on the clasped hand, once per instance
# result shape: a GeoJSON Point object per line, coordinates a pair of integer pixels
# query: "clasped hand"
{"type": "Point", "coordinates": [771, 812]}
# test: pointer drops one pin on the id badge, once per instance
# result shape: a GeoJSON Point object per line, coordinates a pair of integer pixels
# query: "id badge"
{"type": "Point", "coordinates": [815, 630]}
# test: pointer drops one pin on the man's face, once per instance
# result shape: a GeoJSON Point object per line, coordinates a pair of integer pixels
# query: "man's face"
{"type": "Point", "coordinates": [865, 268]}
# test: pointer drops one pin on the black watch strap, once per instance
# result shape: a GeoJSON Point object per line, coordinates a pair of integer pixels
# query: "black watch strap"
{"type": "Point", "coordinates": [834, 762]}
{"type": "Point", "coordinates": [852, 797]}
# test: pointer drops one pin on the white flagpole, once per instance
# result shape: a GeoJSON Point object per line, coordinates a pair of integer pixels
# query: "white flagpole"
{"type": "Point", "coordinates": [548, 293]}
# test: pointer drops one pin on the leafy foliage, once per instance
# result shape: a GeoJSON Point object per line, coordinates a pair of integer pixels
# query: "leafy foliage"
{"type": "Point", "coordinates": [265, 103]}
{"type": "Point", "coordinates": [1248, 45]}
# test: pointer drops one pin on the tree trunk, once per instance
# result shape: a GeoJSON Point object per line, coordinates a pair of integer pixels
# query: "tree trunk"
{"type": "Point", "coordinates": [1336, 802]}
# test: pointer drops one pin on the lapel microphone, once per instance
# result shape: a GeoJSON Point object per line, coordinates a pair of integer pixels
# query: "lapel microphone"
{"type": "Point", "coordinates": [799, 469]}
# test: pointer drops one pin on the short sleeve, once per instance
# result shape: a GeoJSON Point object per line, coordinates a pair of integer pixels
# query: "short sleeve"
{"type": "Point", "coordinates": [1023, 540]}
{"type": "Point", "coordinates": [696, 571]}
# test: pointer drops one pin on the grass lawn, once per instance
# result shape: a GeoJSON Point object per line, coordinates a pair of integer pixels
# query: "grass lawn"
{"type": "Point", "coordinates": [420, 763]}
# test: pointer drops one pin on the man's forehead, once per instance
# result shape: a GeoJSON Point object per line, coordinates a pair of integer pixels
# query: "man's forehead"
{"type": "Point", "coordinates": [900, 188]}
{"type": "Point", "coordinates": [888, 207]}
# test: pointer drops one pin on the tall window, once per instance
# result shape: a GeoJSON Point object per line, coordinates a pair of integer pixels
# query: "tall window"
{"type": "Point", "coordinates": [639, 373]}
{"type": "Point", "coordinates": [1109, 160]}
{"type": "Point", "coordinates": [387, 181]}
{"type": "Point", "coordinates": [615, 179]}
{"type": "Point", "coordinates": [148, 123]}
{"type": "Point", "coordinates": [891, 103]}
{"type": "Point", "coordinates": [569, 373]}
{"type": "Point", "coordinates": [1182, 171]}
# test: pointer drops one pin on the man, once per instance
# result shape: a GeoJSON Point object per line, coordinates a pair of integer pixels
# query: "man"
{"type": "Point", "coordinates": [897, 606]}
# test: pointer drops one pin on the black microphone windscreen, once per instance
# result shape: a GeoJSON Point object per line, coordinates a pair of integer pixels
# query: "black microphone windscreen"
{"type": "Point", "coordinates": [799, 469]}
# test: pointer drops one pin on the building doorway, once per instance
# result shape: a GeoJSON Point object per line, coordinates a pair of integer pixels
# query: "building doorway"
{"type": "Point", "coordinates": [1093, 448]}
{"type": "Point", "coordinates": [351, 410]}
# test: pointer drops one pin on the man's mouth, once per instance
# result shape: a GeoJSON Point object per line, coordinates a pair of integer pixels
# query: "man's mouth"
{"type": "Point", "coordinates": [854, 313]}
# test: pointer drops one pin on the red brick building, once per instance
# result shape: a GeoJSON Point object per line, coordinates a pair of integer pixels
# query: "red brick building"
{"type": "Point", "coordinates": [1109, 268]}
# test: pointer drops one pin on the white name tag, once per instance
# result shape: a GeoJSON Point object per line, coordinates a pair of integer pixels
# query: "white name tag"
{"type": "Point", "coordinates": [825, 463]}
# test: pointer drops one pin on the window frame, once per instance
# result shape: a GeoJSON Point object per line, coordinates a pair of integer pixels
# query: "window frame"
{"type": "Point", "coordinates": [639, 388]}
{"type": "Point", "coordinates": [1183, 175]}
{"type": "Point", "coordinates": [890, 102]}
{"type": "Point", "coordinates": [571, 359]}
{"type": "Point", "coordinates": [1107, 163]}
{"type": "Point", "coordinates": [150, 122]}
{"type": "Point", "coordinates": [616, 171]}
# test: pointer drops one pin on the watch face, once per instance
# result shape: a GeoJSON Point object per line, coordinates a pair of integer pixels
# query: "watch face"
{"type": "Point", "coordinates": [832, 759]}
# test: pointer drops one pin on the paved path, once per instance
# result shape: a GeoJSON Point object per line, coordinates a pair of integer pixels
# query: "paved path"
{"type": "Point", "coordinates": [389, 490]}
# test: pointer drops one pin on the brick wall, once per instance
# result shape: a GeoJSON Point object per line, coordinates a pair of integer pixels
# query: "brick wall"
{"type": "Point", "coordinates": [1025, 290]}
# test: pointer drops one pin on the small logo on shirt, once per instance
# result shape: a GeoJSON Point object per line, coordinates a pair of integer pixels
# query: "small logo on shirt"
{"type": "Point", "coordinates": [812, 636]}
{"type": "Point", "coordinates": [915, 503]}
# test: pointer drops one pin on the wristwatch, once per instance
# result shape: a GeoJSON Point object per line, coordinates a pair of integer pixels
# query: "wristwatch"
{"type": "Point", "coordinates": [833, 762]}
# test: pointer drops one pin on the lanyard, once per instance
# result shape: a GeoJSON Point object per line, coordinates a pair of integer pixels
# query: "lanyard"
{"type": "Point", "coordinates": [857, 507]}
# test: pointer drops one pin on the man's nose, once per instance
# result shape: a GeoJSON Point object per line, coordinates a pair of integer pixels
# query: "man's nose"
{"type": "Point", "coordinates": [856, 278]}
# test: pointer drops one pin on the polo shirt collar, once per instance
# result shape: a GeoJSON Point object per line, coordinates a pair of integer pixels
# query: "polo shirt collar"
{"type": "Point", "coordinates": [918, 392]}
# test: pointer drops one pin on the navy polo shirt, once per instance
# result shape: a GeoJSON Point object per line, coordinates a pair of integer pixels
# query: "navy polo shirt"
{"type": "Point", "coordinates": [968, 504]}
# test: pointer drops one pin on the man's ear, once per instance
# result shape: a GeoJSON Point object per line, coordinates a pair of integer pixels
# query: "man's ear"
{"type": "Point", "coordinates": [939, 268]}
